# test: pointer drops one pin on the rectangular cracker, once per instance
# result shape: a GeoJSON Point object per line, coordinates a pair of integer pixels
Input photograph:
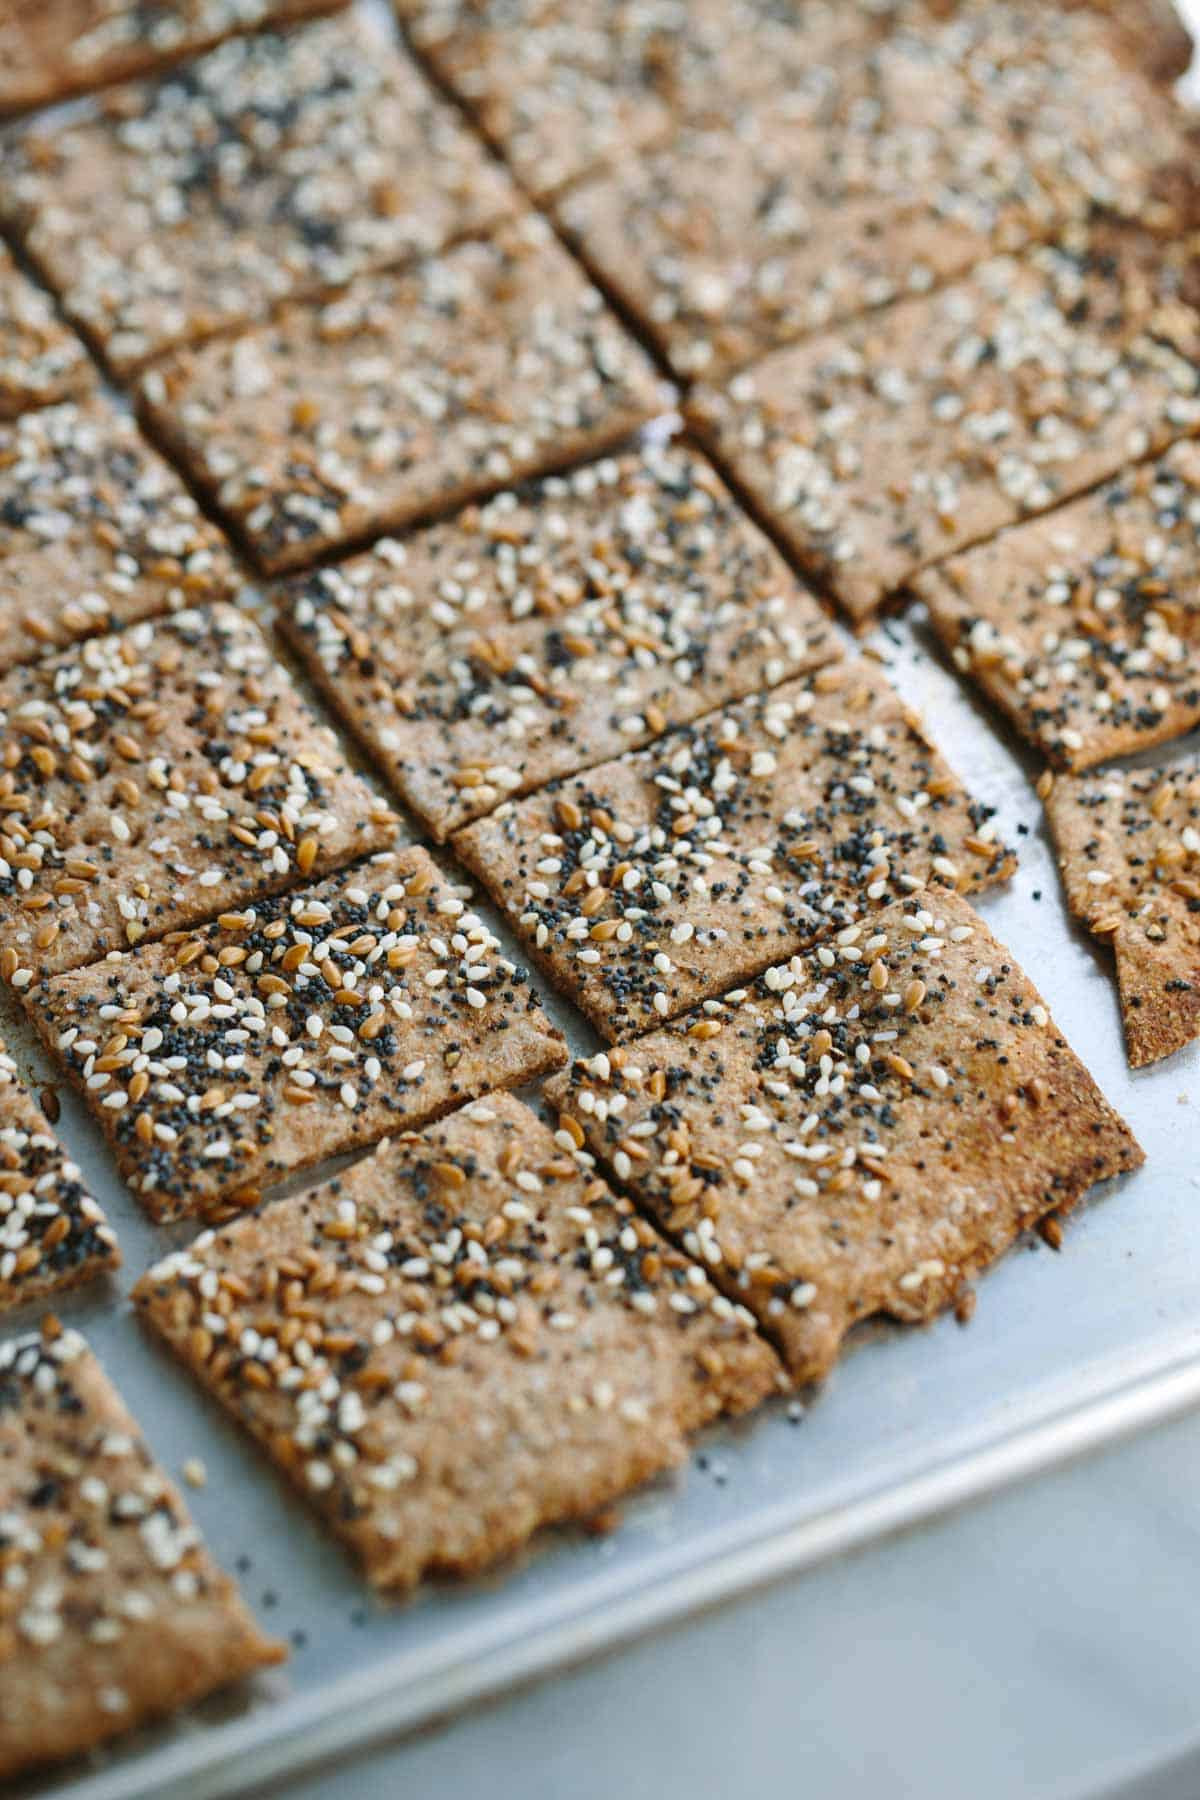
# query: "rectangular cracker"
{"type": "Point", "coordinates": [41, 359]}
{"type": "Point", "coordinates": [660, 879]}
{"type": "Point", "coordinates": [112, 1611]}
{"type": "Point", "coordinates": [1083, 626]}
{"type": "Point", "coordinates": [98, 531]}
{"type": "Point", "coordinates": [162, 219]}
{"type": "Point", "coordinates": [877, 452]}
{"type": "Point", "coordinates": [52, 49]}
{"type": "Point", "coordinates": [1128, 846]}
{"type": "Point", "coordinates": [498, 1343]}
{"type": "Point", "coordinates": [551, 629]}
{"type": "Point", "coordinates": [408, 395]}
{"type": "Point", "coordinates": [907, 165]}
{"type": "Point", "coordinates": [223, 1059]}
{"type": "Point", "coordinates": [847, 1138]}
{"type": "Point", "coordinates": [155, 777]}
{"type": "Point", "coordinates": [53, 1234]}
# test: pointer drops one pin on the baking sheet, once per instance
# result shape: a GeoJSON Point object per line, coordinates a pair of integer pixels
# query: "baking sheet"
{"type": "Point", "coordinates": [1065, 1352]}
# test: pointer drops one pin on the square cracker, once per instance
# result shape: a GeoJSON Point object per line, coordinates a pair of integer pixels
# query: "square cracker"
{"type": "Point", "coordinates": [408, 395]}
{"type": "Point", "coordinates": [1128, 845]}
{"type": "Point", "coordinates": [552, 628]}
{"type": "Point", "coordinates": [41, 359]}
{"type": "Point", "coordinates": [497, 1343]}
{"type": "Point", "coordinates": [1083, 626]}
{"type": "Point", "coordinates": [907, 437]}
{"type": "Point", "coordinates": [223, 1059]}
{"type": "Point", "coordinates": [851, 1137]}
{"type": "Point", "coordinates": [99, 531]}
{"type": "Point", "coordinates": [662, 878]}
{"type": "Point", "coordinates": [51, 49]}
{"type": "Point", "coordinates": [904, 164]}
{"type": "Point", "coordinates": [152, 778]}
{"type": "Point", "coordinates": [112, 1612]}
{"type": "Point", "coordinates": [165, 216]}
{"type": "Point", "coordinates": [53, 1234]}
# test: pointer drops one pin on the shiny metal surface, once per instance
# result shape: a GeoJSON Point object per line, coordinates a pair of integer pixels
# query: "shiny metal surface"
{"type": "Point", "coordinates": [1066, 1352]}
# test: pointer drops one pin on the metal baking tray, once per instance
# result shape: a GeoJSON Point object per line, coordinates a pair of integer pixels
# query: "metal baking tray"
{"type": "Point", "coordinates": [1066, 1352]}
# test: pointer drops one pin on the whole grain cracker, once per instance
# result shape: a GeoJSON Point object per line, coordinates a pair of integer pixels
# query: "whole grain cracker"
{"type": "Point", "coordinates": [52, 49]}
{"type": "Point", "coordinates": [273, 167]}
{"type": "Point", "coordinates": [221, 1060]}
{"type": "Point", "coordinates": [856, 1133]}
{"type": "Point", "coordinates": [99, 531]}
{"type": "Point", "coordinates": [1128, 845]}
{"type": "Point", "coordinates": [907, 437]}
{"type": "Point", "coordinates": [492, 1342]}
{"type": "Point", "coordinates": [112, 1612]}
{"type": "Point", "coordinates": [41, 359]}
{"type": "Point", "coordinates": [53, 1234]}
{"type": "Point", "coordinates": [154, 777]}
{"type": "Point", "coordinates": [1083, 626]}
{"type": "Point", "coordinates": [660, 879]}
{"type": "Point", "coordinates": [552, 628]}
{"type": "Point", "coordinates": [409, 395]}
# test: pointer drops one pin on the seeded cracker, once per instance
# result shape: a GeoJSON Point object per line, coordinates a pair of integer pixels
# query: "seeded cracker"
{"type": "Point", "coordinates": [1084, 626]}
{"type": "Point", "coordinates": [112, 1612]}
{"type": "Point", "coordinates": [53, 1235]}
{"type": "Point", "coordinates": [51, 49]}
{"type": "Point", "coordinates": [1128, 845]}
{"type": "Point", "coordinates": [272, 167]}
{"type": "Point", "coordinates": [491, 1343]}
{"type": "Point", "coordinates": [880, 451]}
{"type": "Point", "coordinates": [223, 1059]}
{"type": "Point", "coordinates": [409, 395]}
{"type": "Point", "coordinates": [906, 163]}
{"type": "Point", "coordinates": [662, 878]}
{"type": "Point", "coordinates": [551, 629]}
{"type": "Point", "coordinates": [861, 1131]}
{"type": "Point", "coordinates": [40, 359]}
{"type": "Point", "coordinates": [155, 776]}
{"type": "Point", "coordinates": [98, 531]}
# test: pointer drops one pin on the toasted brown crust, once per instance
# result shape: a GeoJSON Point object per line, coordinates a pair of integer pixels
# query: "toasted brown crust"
{"type": "Point", "coordinates": [1152, 32]}
{"type": "Point", "coordinates": [551, 629]}
{"type": "Point", "coordinates": [41, 359]}
{"type": "Point", "coordinates": [853, 1137]}
{"type": "Point", "coordinates": [482, 1373]}
{"type": "Point", "coordinates": [112, 1612]}
{"type": "Point", "coordinates": [1128, 845]}
{"type": "Point", "coordinates": [161, 219]}
{"type": "Point", "coordinates": [155, 777]}
{"type": "Point", "coordinates": [1082, 626]}
{"type": "Point", "coordinates": [409, 396]}
{"type": "Point", "coordinates": [879, 452]}
{"type": "Point", "coordinates": [53, 49]}
{"type": "Point", "coordinates": [221, 1060]}
{"type": "Point", "coordinates": [665, 877]}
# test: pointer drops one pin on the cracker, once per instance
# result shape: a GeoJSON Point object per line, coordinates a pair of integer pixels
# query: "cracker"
{"type": "Point", "coordinates": [164, 218]}
{"type": "Point", "coordinates": [498, 1343]}
{"type": "Point", "coordinates": [662, 878]}
{"type": "Point", "coordinates": [852, 1137]}
{"type": "Point", "coordinates": [411, 394]}
{"type": "Point", "coordinates": [221, 1060]}
{"type": "Point", "coordinates": [1083, 626]}
{"type": "Point", "coordinates": [52, 49]}
{"type": "Point", "coordinates": [41, 360]}
{"type": "Point", "coordinates": [551, 629]}
{"type": "Point", "coordinates": [112, 1612]}
{"type": "Point", "coordinates": [53, 1234]}
{"type": "Point", "coordinates": [154, 777]}
{"type": "Point", "coordinates": [1128, 845]}
{"type": "Point", "coordinates": [907, 166]}
{"type": "Point", "coordinates": [98, 531]}
{"type": "Point", "coordinates": [880, 451]}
